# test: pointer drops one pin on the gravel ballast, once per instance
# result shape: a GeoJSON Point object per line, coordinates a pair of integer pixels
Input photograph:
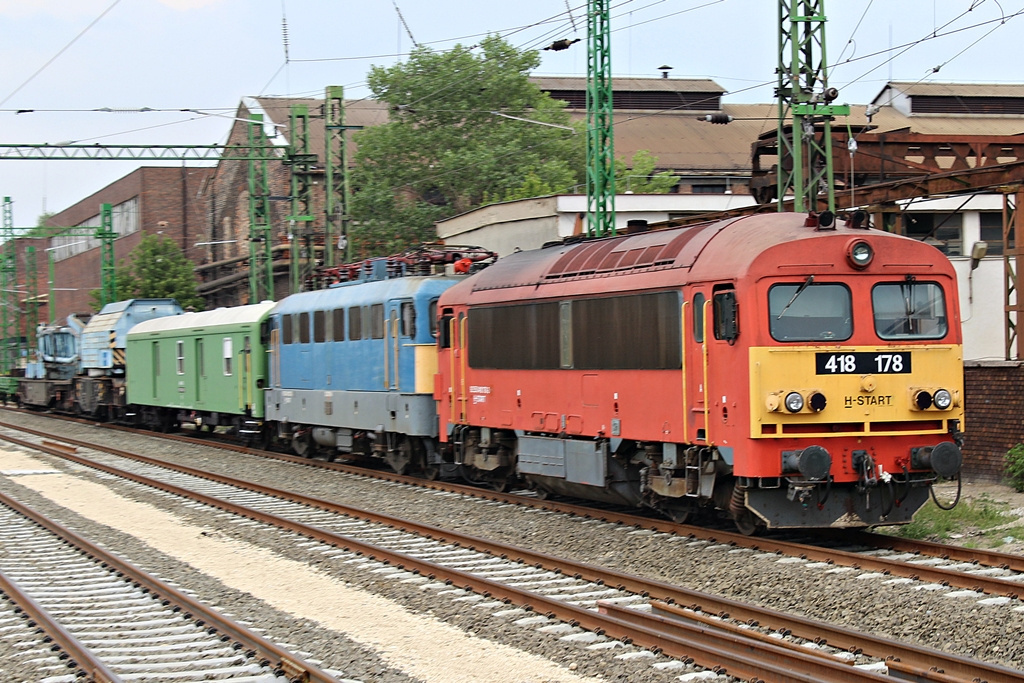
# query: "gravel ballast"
{"type": "Point", "coordinates": [879, 605]}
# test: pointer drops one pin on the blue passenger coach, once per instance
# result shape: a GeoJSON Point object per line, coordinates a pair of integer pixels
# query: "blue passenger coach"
{"type": "Point", "coordinates": [352, 369]}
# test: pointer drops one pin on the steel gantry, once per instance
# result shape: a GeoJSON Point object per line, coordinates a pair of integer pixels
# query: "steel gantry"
{"type": "Point", "coordinates": [338, 200]}
{"type": "Point", "coordinates": [300, 231]}
{"type": "Point", "coordinates": [805, 144]}
{"type": "Point", "coordinates": [10, 331]}
{"type": "Point", "coordinates": [600, 145]}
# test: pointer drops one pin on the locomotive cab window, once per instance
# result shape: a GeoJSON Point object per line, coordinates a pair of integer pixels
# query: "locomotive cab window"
{"type": "Point", "coordinates": [909, 310]}
{"type": "Point", "coordinates": [408, 319]}
{"type": "Point", "coordinates": [432, 318]}
{"type": "Point", "coordinates": [726, 315]}
{"type": "Point", "coordinates": [303, 334]}
{"type": "Point", "coordinates": [444, 331]}
{"type": "Point", "coordinates": [806, 311]}
{"type": "Point", "coordinates": [698, 317]}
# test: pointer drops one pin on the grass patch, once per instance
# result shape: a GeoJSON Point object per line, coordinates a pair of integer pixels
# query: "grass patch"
{"type": "Point", "coordinates": [973, 518]}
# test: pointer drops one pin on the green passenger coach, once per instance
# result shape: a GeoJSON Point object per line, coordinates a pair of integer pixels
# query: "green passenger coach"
{"type": "Point", "coordinates": [206, 368]}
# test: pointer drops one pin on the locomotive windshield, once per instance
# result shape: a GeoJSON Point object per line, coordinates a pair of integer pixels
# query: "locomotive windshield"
{"type": "Point", "coordinates": [805, 311]}
{"type": "Point", "coordinates": [909, 310]}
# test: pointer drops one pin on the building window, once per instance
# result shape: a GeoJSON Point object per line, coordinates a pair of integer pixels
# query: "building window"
{"type": "Point", "coordinates": [708, 189]}
{"type": "Point", "coordinates": [124, 219]}
{"type": "Point", "coordinates": [992, 232]}
{"type": "Point", "coordinates": [941, 230]}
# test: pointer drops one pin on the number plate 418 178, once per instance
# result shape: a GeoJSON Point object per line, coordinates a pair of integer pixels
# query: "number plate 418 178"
{"type": "Point", "coordinates": [862, 363]}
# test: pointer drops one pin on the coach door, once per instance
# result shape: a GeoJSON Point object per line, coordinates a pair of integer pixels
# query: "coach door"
{"type": "Point", "coordinates": [397, 332]}
{"type": "Point", "coordinates": [452, 333]}
{"type": "Point", "coordinates": [698, 310]}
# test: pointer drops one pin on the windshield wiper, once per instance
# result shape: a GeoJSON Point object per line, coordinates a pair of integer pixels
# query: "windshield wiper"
{"type": "Point", "coordinates": [799, 291]}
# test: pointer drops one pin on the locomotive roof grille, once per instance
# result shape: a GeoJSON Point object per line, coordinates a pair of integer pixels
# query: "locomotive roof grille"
{"type": "Point", "coordinates": [619, 255]}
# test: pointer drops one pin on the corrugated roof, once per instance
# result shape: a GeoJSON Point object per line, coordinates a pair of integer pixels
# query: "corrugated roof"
{"type": "Point", "coordinates": [357, 113]}
{"type": "Point", "coordinates": [633, 84]}
{"type": "Point", "coordinates": [684, 142]}
{"type": "Point", "coordinates": [958, 89]}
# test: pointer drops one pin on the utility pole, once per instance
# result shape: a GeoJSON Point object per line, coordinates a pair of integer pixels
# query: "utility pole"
{"type": "Point", "coordinates": [261, 254]}
{"type": "Point", "coordinates": [300, 230]}
{"type": "Point", "coordinates": [804, 154]}
{"type": "Point", "coordinates": [338, 199]}
{"type": "Point", "coordinates": [9, 328]}
{"type": "Point", "coordinates": [106, 235]}
{"type": "Point", "coordinates": [600, 146]}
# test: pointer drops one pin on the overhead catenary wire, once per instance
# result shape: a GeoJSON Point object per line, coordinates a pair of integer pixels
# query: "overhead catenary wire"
{"type": "Point", "coordinates": [59, 52]}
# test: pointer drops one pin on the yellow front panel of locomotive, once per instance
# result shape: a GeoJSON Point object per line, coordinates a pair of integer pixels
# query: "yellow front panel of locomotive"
{"type": "Point", "coordinates": [866, 390]}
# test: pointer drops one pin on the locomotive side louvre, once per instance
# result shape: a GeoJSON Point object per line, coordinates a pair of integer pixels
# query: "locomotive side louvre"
{"type": "Point", "coordinates": [642, 370]}
{"type": "Point", "coordinates": [352, 370]}
{"type": "Point", "coordinates": [208, 368]}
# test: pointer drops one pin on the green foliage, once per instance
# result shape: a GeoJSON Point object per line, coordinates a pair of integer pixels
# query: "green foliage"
{"type": "Point", "coordinates": [933, 523]}
{"type": "Point", "coordinates": [1015, 467]}
{"type": "Point", "coordinates": [640, 178]}
{"type": "Point", "coordinates": [445, 151]}
{"type": "Point", "coordinates": [156, 269]}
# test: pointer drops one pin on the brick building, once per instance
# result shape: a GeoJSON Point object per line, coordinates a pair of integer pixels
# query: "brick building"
{"type": "Point", "coordinates": [149, 200]}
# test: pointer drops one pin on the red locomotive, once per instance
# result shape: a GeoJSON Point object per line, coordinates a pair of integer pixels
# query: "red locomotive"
{"type": "Point", "coordinates": [784, 369]}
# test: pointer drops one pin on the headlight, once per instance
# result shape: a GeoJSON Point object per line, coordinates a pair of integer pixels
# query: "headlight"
{"type": "Point", "coordinates": [923, 400]}
{"type": "Point", "coordinates": [818, 401]}
{"type": "Point", "coordinates": [942, 399]}
{"type": "Point", "coordinates": [860, 254]}
{"type": "Point", "coordinates": [794, 402]}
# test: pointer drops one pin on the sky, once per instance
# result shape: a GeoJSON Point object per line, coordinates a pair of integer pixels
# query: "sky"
{"type": "Point", "coordinates": [79, 70]}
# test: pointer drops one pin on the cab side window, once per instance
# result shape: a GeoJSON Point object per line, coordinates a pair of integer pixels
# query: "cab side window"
{"type": "Point", "coordinates": [726, 315]}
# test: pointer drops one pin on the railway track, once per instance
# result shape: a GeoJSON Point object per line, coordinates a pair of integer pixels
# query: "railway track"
{"type": "Point", "coordinates": [1000, 575]}
{"type": "Point", "coordinates": [88, 614]}
{"type": "Point", "coordinates": [606, 603]}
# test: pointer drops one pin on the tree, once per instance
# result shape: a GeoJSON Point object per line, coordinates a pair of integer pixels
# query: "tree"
{"type": "Point", "coordinates": [448, 149]}
{"type": "Point", "coordinates": [156, 269]}
{"type": "Point", "coordinates": [640, 178]}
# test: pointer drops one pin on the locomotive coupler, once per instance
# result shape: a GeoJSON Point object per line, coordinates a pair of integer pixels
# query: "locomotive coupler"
{"type": "Point", "coordinates": [865, 465]}
{"type": "Point", "coordinates": [800, 492]}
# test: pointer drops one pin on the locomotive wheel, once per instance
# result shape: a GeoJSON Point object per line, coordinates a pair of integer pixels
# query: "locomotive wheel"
{"type": "Point", "coordinates": [302, 444]}
{"type": "Point", "coordinates": [678, 515]}
{"type": "Point", "coordinates": [746, 523]}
